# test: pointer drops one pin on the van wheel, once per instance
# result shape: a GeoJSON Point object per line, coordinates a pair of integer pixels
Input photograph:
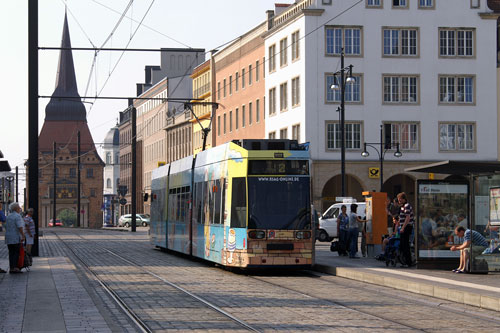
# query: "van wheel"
{"type": "Point", "coordinates": [127, 224]}
{"type": "Point", "coordinates": [323, 236]}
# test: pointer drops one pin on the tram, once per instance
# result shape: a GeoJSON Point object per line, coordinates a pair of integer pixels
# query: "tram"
{"type": "Point", "coordinates": [242, 204]}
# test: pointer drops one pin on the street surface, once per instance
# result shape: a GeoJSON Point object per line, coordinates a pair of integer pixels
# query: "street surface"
{"type": "Point", "coordinates": [164, 291]}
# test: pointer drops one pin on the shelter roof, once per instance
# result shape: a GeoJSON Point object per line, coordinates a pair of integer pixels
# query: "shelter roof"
{"type": "Point", "coordinates": [463, 168]}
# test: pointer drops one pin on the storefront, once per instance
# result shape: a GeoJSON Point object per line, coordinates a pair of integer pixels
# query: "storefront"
{"type": "Point", "coordinates": [442, 205]}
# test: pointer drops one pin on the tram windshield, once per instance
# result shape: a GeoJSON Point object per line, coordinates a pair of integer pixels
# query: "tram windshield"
{"type": "Point", "coordinates": [279, 203]}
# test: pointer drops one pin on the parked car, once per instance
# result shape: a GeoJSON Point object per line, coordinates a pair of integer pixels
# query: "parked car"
{"type": "Point", "coordinates": [58, 223]}
{"type": "Point", "coordinates": [140, 219]}
{"type": "Point", "coordinates": [328, 222]}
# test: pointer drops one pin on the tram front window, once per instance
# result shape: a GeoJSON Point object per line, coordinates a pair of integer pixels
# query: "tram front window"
{"type": "Point", "coordinates": [279, 203]}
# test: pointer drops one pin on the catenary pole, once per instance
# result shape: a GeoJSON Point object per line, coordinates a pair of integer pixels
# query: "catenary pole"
{"type": "Point", "coordinates": [134, 168]}
{"type": "Point", "coordinates": [79, 184]}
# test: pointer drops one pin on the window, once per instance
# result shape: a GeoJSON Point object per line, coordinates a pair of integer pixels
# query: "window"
{"type": "Point", "coordinates": [224, 88]}
{"type": "Point", "coordinates": [352, 135]}
{"type": "Point", "coordinates": [218, 125]}
{"type": "Point", "coordinates": [373, 3]}
{"type": "Point", "coordinates": [283, 96]}
{"type": "Point", "coordinates": [399, 3]}
{"type": "Point", "coordinates": [272, 135]}
{"type": "Point", "coordinates": [272, 59]}
{"type": "Point", "coordinates": [108, 158]}
{"type": "Point", "coordinates": [230, 84]}
{"type": "Point", "coordinates": [257, 111]}
{"type": "Point", "coordinates": [296, 132]}
{"type": "Point", "coordinates": [263, 67]}
{"type": "Point", "coordinates": [456, 89]}
{"type": "Point", "coordinates": [406, 134]}
{"type": "Point", "coordinates": [272, 101]}
{"type": "Point", "coordinates": [218, 90]}
{"type": "Point", "coordinates": [295, 91]}
{"type": "Point", "coordinates": [400, 42]}
{"type": "Point", "coordinates": [401, 89]}
{"type": "Point", "coordinates": [284, 133]}
{"type": "Point", "coordinates": [283, 52]}
{"type": "Point", "coordinates": [231, 121]}
{"type": "Point", "coordinates": [352, 90]}
{"type": "Point", "coordinates": [224, 123]}
{"type": "Point", "coordinates": [243, 120]}
{"type": "Point", "coordinates": [257, 71]}
{"type": "Point", "coordinates": [295, 46]}
{"type": "Point", "coordinates": [249, 75]}
{"type": "Point", "coordinates": [90, 173]}
{"type": "Point", "coordinates": [237, 118]}
{"type": "Point", "coordinates": [456, 42]}
{"type": "Point", "coordinates": [348, 38]}
{"type": "Point", "coordinates": [458, 137]}
{"type": "Point", "coordinates": [108, 183]}
{"type": "Point", "coordinates": [243, 78]}
{"type": "Point", "coordinates": [92, 192]}
{"type": "Point", "coordinates": [236, 80]}
{"type": "Point", "coordinates": [72, 172]}
{"type": "Point", "coordinates": [250, 115]}
{"type": "Point", "coordinates": [424, 4]}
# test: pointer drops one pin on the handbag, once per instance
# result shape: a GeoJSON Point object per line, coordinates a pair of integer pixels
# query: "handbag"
{"type": "Point", "coordinates": [334, 246]}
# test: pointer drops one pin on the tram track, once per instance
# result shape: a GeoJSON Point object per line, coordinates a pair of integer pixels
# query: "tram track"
{"type": "Point", "coordinates": [134, 317]}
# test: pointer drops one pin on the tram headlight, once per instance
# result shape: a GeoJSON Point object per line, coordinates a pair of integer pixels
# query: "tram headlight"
{"type": "Point", "coordinates": [257, 234]}
{"type": "Point", "coordinates": [303, 234]}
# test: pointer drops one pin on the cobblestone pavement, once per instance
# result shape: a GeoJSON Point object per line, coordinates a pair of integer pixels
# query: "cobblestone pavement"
{"type": "Point", "coordinates": [282, 301]}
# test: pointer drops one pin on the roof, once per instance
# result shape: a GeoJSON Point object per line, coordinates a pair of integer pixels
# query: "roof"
{"type": "Point", "coordinates": [112, 137]}
{"type": "Point", "coordinates": [463, 168]}
{"type": "Point", "coordinates": [65, 133]}
{"type": "Point", "coordinates": [65, 108]}
{"type": "Point", "coordinates": [4, 166]}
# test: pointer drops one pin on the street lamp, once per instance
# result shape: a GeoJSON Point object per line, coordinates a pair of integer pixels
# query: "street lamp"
{"type": "Point", "coordinates": [334, 86]}
{"type": "Point", "coordinates": [384, 147]}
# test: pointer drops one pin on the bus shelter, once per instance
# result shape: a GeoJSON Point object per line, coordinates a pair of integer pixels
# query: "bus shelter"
{"type": "Point", "coordinates": [469, 196]}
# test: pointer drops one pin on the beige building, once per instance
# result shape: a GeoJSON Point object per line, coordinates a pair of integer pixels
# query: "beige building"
{"type": "Point", "coordinates": [240, 88]}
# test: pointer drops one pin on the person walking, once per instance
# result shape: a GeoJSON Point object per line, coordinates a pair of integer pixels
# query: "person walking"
{"type": "Point", "coordinates": [343, 230]}
{"type": "Point", "coordinates": [406, 221]}
{"type": "Point", "coordinates": [29, 230]}
{"type": "Point", "coordinates": [14, 235]}
{"type": "Point", "coordinates": [354, 221]}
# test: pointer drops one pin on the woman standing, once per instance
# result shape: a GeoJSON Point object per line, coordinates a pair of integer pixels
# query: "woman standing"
{"type": "Point", "coordinates": [406, 221]}
{"type": "Point", "coordinates": [29, 230]}
{"type": "Point", "coordinates": [343, 230]}
{"type": "Point", "coordinates": [14, 235]}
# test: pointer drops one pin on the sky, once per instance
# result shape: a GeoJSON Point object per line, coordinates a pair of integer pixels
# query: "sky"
{"type": "Point", "coordinates": [204, 24]}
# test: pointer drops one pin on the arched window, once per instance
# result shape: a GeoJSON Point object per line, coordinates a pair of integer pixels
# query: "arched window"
{"type": "Point", "coordinates": [108, 183]}
{"type": "Point", "coordinates": [108, 158]}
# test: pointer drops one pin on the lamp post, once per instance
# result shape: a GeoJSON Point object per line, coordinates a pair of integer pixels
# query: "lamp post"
{"type": "Point", "coordinates": [384, 147]}
{"type": "Point", "coordinates": [343, 82]}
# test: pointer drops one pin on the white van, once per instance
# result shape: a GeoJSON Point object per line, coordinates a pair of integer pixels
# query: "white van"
{"type": "Point", "coordinates": [328, 222]}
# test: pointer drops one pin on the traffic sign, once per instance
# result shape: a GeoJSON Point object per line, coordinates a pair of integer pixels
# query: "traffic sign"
{"type": "Point", "coordinates": [123, 201]}
{"type": "Point", "coordinates": [122, 190]}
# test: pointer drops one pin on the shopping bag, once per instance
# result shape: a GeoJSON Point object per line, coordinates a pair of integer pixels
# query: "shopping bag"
{"type": "Point", "coordinates": [20, 261]}
{"type": "Point", "coordinates": [334, 247]}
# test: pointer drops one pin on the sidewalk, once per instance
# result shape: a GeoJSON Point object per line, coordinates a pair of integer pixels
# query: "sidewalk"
{"type": "Point", "coordinates": [471, 289]}
{"type": "Point", "coordinates": [50, 298]}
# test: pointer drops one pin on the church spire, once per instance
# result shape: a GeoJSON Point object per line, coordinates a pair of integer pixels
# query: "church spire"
{"type": "Point", "coordinates": [60, 109]}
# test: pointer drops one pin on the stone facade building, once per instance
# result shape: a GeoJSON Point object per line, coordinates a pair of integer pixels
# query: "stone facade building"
{"type": "Point", "coordinates": [65, 116]}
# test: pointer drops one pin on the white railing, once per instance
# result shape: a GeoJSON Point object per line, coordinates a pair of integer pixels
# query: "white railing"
{"type": "Point", "coordinates": [292, 10]}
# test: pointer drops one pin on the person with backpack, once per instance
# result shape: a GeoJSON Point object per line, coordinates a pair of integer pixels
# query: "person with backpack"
{"type": "Point", "coordinates": [14, 236]}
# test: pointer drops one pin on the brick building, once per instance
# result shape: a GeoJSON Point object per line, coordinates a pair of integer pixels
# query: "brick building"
{"type": "Point", "coordinates": [65, 116]}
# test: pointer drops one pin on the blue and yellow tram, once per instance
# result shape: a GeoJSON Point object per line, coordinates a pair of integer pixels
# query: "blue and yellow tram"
{"type": "Point", "coordinates": [241, 204]}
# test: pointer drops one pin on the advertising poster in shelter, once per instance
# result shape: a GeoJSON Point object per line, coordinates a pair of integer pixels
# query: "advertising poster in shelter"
{"type": "Point", "coordinates": [495, 206]}
{"type": "Point", "coordinates": [442, 206]}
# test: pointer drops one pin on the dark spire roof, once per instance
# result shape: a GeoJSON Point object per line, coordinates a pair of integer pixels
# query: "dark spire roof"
{"type": "Point", "coordinates": [60, 109]}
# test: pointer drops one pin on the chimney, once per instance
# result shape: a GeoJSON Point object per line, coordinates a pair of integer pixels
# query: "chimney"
{"type": "Point", "coordinates": [270, 15]}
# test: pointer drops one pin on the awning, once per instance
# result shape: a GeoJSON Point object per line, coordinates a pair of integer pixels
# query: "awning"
{"type": "Point", "coordinates": [4, 166]}
{"type": "Point", "coordinates": [463, 168]}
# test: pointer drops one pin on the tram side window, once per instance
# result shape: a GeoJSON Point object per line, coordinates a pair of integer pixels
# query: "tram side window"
{"type": "Point", "coordinates": [198, 204]}
{"type": "Point", "coordinates": [238, 203]}
{"type": "Point", "coordinates": [223, 208]}
{"type": "Point", "coordinates": [217, 191]}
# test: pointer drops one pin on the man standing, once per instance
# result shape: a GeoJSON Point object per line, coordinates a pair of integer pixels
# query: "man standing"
{"type": "Point", "coordinates": [406, 221]}
{"type": "Point", "coordinates": [479, 243]}
{"type": "Point", "coordinates": [14, 235]}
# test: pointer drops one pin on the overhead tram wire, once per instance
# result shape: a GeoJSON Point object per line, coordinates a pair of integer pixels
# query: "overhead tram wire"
{"type": "Point", "coordinates": [224, 44]}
